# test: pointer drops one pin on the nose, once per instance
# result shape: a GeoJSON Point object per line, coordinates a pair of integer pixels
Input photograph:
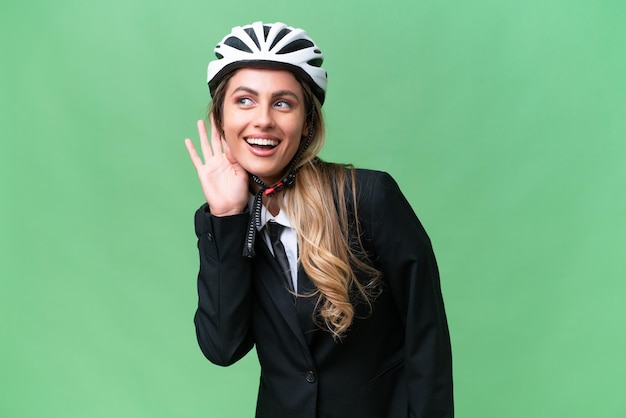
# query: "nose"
{"type": "Point", "coordinates": [263, 116]}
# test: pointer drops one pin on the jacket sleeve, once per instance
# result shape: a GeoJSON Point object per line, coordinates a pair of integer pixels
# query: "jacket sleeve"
{"type": "Point", "coordinates": [222, 319]}
{"type": "Point", "coordinates": [405, 256]}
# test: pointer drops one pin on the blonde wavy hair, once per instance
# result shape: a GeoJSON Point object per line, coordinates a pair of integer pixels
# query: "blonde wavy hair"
{"type": "Point", "coordinates": [317, 207]}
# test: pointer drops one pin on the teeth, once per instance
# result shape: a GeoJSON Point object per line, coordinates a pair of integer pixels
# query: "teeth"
{"type": "Point", "coordinates": [262, 141]}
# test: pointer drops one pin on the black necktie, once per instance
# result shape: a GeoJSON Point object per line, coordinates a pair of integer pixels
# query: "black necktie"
{"type": "Point", "coordinates": [274, 230]}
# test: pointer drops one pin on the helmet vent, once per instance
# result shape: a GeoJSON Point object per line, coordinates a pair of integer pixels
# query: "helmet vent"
{"type": "Point", "coordinates": [266, 30]}
{"type": "Point", "coordinates": [237, 44]}
{"type": "Point", "coordinates": [279, 36]}
{"type": "Point", "coordinates": [317, 62]}
{"type": "Point", "coordinates": [297, 45]}
{"type": "Point", "coordinates": [252, 36]}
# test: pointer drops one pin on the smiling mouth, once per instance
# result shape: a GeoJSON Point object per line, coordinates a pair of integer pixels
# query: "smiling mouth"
{"type": "Point", "coordinates": [262, 142]}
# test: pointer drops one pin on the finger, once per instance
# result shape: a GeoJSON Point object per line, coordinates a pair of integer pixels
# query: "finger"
{"type": "Point", "coordinates": [193, 154]}
{"type": "Point", "coordinates": [204, 141]}
{"type": "Point", "coordinates": [216, 138]}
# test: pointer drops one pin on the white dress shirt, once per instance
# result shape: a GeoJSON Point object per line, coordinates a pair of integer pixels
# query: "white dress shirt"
{"type": "Point", "coordinates": [288, 237]}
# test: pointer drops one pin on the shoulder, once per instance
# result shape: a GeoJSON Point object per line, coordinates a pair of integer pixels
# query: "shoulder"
{"type": "Point", "coordinates": [366, 185]}
{"type": "Point", "coordinates": [372, 177]}
{"type": "Point", "coordinates": [374, 184]}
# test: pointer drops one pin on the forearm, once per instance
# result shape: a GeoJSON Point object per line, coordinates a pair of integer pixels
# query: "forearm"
{"type": "Point", "coordinates": [222, 319]}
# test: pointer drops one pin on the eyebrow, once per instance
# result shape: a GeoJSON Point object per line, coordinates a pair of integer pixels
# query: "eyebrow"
{"type": "Point", "coordinates": [278, 93]}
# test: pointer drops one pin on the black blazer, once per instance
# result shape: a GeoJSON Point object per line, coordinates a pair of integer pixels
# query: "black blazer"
{"type": "Point", "coordinates": [394, 362]}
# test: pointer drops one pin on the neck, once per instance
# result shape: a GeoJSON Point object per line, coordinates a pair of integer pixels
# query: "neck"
{"type": "Point", "coordinates": [272, 206]}
{"type": "Point", "coordinates": [271, 203]}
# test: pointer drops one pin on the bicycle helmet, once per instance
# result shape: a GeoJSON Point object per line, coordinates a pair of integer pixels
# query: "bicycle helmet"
{"type": "Point", "coordinates": [270, 45]}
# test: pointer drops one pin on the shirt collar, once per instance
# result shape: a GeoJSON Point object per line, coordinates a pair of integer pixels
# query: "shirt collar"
{"type": "Point", "coordinates": [266, 216]}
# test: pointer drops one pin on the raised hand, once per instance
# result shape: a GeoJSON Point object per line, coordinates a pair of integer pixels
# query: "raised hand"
{"type": "Point", "coordinates": [224, 182]}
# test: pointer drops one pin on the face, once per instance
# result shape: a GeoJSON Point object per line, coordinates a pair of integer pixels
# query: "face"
{"type": "Point", "coordinates": [264, 120]}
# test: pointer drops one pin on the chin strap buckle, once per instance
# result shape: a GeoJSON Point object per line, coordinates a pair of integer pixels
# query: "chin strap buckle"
{"type": "Point", "coordinates": [269, 192]}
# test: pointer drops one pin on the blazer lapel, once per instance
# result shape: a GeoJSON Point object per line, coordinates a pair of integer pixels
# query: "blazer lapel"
{"type": "Point", "coordinates": [272, 280]}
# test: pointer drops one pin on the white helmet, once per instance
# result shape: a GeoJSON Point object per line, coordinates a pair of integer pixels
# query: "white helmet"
{"type": "Point", "coordinates": [274, 45]}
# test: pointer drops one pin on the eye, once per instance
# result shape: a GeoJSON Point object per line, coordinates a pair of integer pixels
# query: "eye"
{"type": "Point", "coordinates": [283, 104]}
{"type": "Point", "coordinates": [244, 101]}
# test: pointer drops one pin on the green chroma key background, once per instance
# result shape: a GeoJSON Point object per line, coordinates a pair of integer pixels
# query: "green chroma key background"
{"type": "Point", "coordinates": [504, 122]}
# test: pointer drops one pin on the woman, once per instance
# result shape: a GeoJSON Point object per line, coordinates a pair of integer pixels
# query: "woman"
{"type": "Point", "coordinates": [324, 268]}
